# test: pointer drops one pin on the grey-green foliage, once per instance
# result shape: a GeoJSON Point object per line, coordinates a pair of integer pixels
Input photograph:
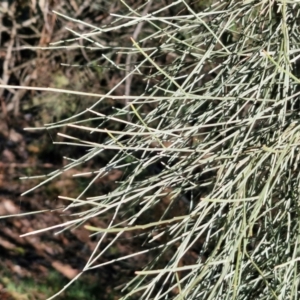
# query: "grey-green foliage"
{"type": "Point", "coordinates": [217, 127]}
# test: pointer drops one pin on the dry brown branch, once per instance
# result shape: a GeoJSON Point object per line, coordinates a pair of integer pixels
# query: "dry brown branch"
{"type": "Point", "coordinates": [130, 60]}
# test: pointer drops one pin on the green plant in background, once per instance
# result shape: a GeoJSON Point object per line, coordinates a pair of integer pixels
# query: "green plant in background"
{"type": "Point", "coordinates": [216, 132]}
{"type": "Point", "coordinates": [28, 289]}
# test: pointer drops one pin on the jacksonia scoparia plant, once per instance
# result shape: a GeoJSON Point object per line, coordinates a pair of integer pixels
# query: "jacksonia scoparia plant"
{"type": "Point", "coordinates": [209, 148]}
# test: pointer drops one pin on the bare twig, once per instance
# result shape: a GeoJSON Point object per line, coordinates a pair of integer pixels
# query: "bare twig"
{"type": "Point", "coordinates": [132, 59]}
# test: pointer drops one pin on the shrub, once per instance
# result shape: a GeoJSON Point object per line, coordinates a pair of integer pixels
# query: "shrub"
{"type": "Point", "coordinates": [207, 144]}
